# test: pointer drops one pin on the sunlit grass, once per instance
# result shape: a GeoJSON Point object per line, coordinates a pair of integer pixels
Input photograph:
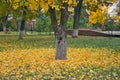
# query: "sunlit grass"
{"type": "Point", "coordinates": [88, 58]}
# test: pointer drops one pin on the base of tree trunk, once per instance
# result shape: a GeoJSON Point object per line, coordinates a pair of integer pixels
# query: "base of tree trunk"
{"type": "Point", "coordinates": [4, 29]}
{"type": "Point", "coordinates": [21, 34]}
{"type": "Point", "coordinates": [61, 48]}
{"type": "Point", "coordinates": [75, 33]}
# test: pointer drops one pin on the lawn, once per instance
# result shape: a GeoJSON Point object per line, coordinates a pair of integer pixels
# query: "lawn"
{"type": "Point", "coordinates": [88, 58]}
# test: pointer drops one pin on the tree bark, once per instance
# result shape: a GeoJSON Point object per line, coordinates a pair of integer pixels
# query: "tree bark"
{"type": "Point", "coordinates": [61, 41]}
{"type": "Point", "coordinates": [60, 44]}
{"type": "Point", "coordinates": [18, 24]}
{"type": "Point", "coordinates": [53, 19]}
{"type": "Point", "coordinates": [60, 31]}
{"type": "Point", "coordinates": [77, 11]}
{"type": "Point", "coordinates": [22, 29]}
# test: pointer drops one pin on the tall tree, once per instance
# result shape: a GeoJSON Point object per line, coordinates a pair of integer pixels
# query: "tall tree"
{"type": "Point", "coordinates": [59, 25]}
{"type": "Point", "coordinates": [4, 23]}
{"type": "Point", "coordinates": [23, 20]}
{"type": "Point", "coordinates": [60, 30]}
{"type": "Point", "coordinates": [77, 11]}
{"type": "Point", "coordinates": [28, 9]}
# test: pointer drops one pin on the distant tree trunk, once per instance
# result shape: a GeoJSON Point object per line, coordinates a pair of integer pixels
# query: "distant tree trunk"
{"type": "Point", "coordinates": [18, 25]}
{"type": "Point", "coordinates": [22, 26]}
{"type": "Point", "coordinates": [22, 29]}
{"type": "Point", "coordinates": [4, 23]}
{"type": "Point", "coordinates": [77, 11]}
{"type": "Point", "coordinates": [60, 31]}
{"type": "Point", "coordinates": [103, 26]}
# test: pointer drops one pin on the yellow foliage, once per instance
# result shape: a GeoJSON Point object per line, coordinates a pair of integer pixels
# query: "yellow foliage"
{"type": "Point", "coordinates": [98, 10]}
{"type": "Point", "coordinates": [36, 5]}
{"type": "Point", "coordinates": [15, 6]}
{"type": "Point", "coordinates": [116, 18]}
{"type": "Point", "coordinates": [99, 16]}
{"type": "Point", "coordinates": [70, 2]}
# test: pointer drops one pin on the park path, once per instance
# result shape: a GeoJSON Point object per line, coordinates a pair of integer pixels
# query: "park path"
{"type": "Point", "coordinates": [113, 32]}
{"type": "Point", "coordinates": [89, 32]}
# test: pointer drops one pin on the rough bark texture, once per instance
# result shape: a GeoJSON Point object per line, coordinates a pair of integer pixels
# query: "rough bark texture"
{"type": "Point", "coordinates": [77, 11]}
{"type": "Point", "coordinates": [22, 27]}
{"type": "Point", "coordinates": [60, 31]}
{"type": "Point", "coordinates": [60, 44]}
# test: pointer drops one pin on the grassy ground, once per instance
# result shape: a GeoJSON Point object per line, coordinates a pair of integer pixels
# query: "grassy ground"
{"type": "Point", "coordinates": [89, 58]}
{"type": "Point", "coordinates": [40, 41]}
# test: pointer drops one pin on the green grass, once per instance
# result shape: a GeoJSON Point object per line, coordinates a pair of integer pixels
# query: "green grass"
{"type": "Point", "coordinates": [97, 72]}
{"type": "Point", "coordinates": [94, 42]}
{"type": "Point", "coordinates": [47, 41]}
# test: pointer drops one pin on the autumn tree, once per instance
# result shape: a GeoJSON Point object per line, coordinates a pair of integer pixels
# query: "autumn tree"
{"type": "Point", "coordinates": [28, 9]}
{"type": "Point", "coordinates": [98, 10]}
{"type": "Point", "coordinates": [59, 24]}
{"type": "Point", "coordinates": [60, 29]}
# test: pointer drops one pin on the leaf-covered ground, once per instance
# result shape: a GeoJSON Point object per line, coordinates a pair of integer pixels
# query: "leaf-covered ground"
{"type": "Point", "coordinates": [88, 58]}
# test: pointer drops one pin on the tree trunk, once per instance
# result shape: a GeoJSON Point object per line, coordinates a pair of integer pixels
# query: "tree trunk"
{"type": "Point", "coordinates": [4, 27]}
{"type": "Point", "coordinates": [22, 29]}
{"type": "Point", "coordinates": [75, 33]}
{"type": "Point", "coordinates": [60, 44]}
{"type": "Point", "coordinates": [60, 31]}
{"type": "Point", "coordinates": [4, 23]}
{"type": "Point", "coordinates": [18, 25]}
{"type": "Point", "coordinates": [22, 26]}
{"type": "Point", "coordinates": [103, 26]}
{"type": "Point", "coordinates": [77, 11]}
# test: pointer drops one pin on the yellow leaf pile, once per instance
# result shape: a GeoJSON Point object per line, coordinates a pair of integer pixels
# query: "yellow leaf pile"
{"type": "Point", "coordinates": [39, 64]}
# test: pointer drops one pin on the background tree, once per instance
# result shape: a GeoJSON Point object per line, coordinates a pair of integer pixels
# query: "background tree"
{"type": "Point", "coordinates": [28, 9]}
{"type": "Point", "coordinates": [43, 22]}
{"type": "Point", "coordinates": [5, 10]}
{"type": "Point", "coordinates": [77, 11]}
{"type": "Point", "coordinates": [98, 10]}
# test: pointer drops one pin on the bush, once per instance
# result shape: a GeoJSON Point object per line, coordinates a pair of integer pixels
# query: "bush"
{"type": "Point", "coordinates": [9, 25]}
{"type": "Point", "coordinates": [43, 24]}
